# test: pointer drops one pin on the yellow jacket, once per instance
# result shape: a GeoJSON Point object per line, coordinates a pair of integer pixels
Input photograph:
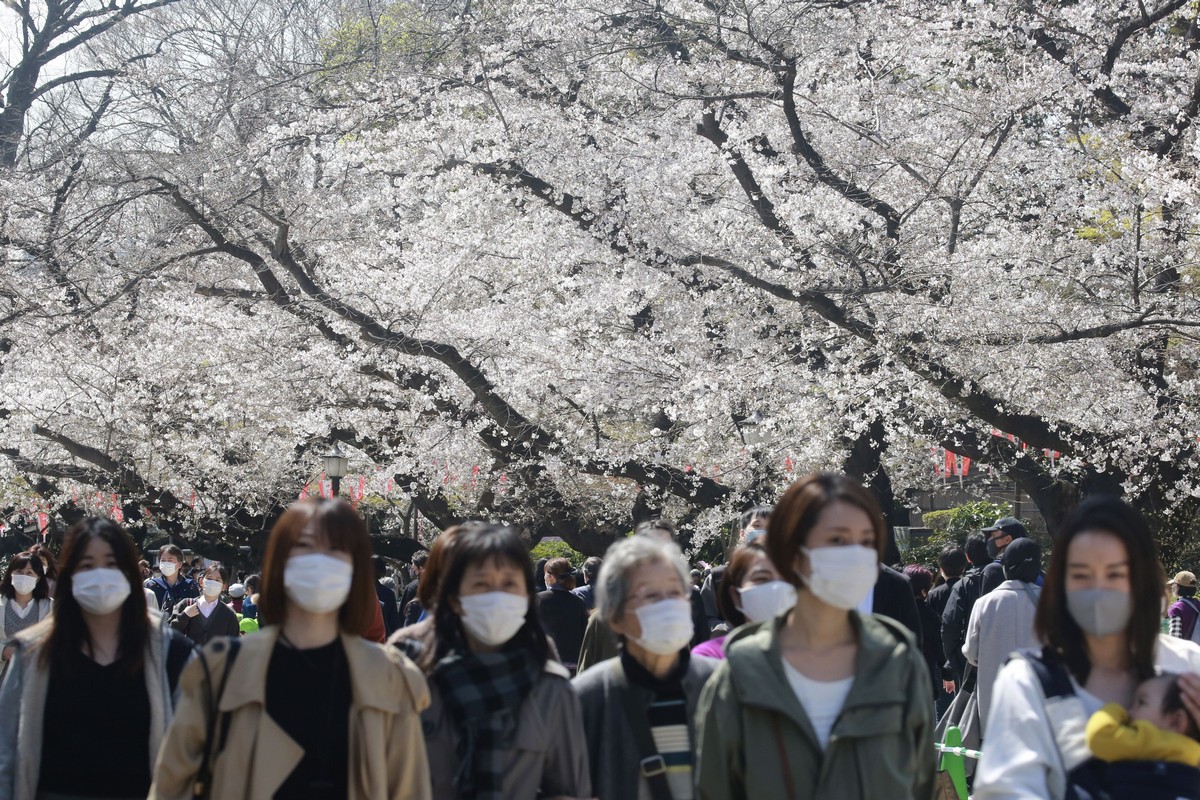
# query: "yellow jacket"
{"type": "Point", "coordinates": [1112, 737]}
{"type": "Point", "coordinates": [387, 747]}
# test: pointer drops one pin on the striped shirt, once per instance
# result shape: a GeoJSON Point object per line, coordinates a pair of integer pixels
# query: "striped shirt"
{"type": "Point", "coordinates": [667, 715]}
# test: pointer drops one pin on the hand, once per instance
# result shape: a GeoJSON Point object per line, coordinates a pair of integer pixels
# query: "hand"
{"type": "Point", "coordinates": [192, 611]}
{"type": "Point", "coordinates": [948, 687]}
{"type": "Point", "coordinates": [7, 653]}
{"type": "Point", "coordinates": [1190, 684]}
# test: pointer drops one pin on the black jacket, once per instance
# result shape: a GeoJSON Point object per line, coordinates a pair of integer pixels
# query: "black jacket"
{"type": "Point", "coordinates": [565, 617]}
{"type": "Point", "coordinates": [170, 596]}
{"type": "Point", "coordinates": [894, 598]}
{"type": "Point", "coordinates": [200, 629]}
{"type": "Point", "coordinates": [391, 611]}
{"type": "Point", "coordinates": [939, 596]}
{"type": "Point", "coordinates": [955, 618]}
{"type": "Point", "coordinates": [993, 576]}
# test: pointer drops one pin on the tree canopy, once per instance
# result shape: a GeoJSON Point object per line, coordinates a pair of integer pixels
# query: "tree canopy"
{"type": "Point", "coordinates": [573, 264]}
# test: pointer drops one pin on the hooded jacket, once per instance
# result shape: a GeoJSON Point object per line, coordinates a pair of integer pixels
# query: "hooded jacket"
{"type": "Point", "coordinates": [753, 731]}
{"type": "Point", "coordinates": [387, 753]}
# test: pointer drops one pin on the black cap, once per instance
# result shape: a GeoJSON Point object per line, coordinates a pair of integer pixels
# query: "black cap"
{"type": "Point", "coordinates": [1022, 560]}
{"type": "Point", "coordinates": [1010, 525]}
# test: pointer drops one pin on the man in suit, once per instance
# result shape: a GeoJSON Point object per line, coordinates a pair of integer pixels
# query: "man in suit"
{"type": "Point", "coordinates": [563, 615]}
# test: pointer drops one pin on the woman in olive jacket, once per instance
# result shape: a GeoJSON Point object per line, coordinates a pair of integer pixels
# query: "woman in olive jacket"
{"type": "Point", "coordinates": [821, 702]}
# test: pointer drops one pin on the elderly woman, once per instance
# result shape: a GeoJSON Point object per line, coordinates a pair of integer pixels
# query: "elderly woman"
{"type": "Point", "coordinates": [638, 707]}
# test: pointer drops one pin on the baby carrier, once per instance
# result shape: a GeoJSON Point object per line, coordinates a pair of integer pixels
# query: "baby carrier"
{"type": "Point", "coordinates": [1089, 778]}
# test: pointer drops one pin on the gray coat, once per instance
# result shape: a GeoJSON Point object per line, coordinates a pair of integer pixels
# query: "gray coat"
{"type": "Point", "coordinates": [549, 755]}
{"type": "Point", "coordinates": [612, 751]}
{"type": "Point", "coordinates": [1001, 622]}
{"type": "Point", "coordinates": [23, 697]}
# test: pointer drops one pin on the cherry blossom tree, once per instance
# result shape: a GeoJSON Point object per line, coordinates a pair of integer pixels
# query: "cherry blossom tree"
{"type": "Point", "coordinates": [573, 266]}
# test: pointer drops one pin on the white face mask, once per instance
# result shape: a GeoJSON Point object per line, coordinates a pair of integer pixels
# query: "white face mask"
{"type": "Point", "coordinates": [24, 584]}
{"type": "Point", "coordinates": [167, 568]}
{"type": "Point", "coordinates": [666, 626]}
{"type": "Point", "coordinates": [493, 618]}
{"type": "Point", "coordinates": [101, 590]}
{"type": "Point", "coordinates": [841, 576]}
{"type": "Point", "coordinates": [317, 582]}
{"type": "Point", "coordinates": [212, 588]}
{"type": "Point", "coordinates": [754, 534]}
{"type": "Point", "coordinates": [765, 600]}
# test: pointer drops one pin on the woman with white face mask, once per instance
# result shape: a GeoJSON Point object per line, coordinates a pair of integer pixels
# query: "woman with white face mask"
{"type": "Point", "coordinates": [751, 590]}
{"type": "Point", "coordinates": [309, 708]}
{"type": "Point", "coordinates": [87, 697]}
{"type": "Point", "coordinates": [24, 598]}
{"type": "Point", "coordinates": [821, 701]}
{"type": "Point", "coordinates": [205, 618]}
{"type": "Point", "coordinates": [638, 708]}
{"type": "Point", "coordinates": [503, 723]}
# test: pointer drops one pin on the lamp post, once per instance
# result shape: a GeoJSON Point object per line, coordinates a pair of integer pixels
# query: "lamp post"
{"type": "Point", "coordinates": [336, 464]}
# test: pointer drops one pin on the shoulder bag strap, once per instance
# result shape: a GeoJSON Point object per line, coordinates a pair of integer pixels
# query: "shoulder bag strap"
{"type": "Point", "coordinates": [788, 782]}
{"type": "Point", "coordinates": [652, 767]}
{"type": "Point", "coordinates": [202, 787]}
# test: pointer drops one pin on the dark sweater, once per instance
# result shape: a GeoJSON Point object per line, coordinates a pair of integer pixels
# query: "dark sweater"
{"type": "Point", "coordinates": [309, 696]}
{"type": "Point", "coordinates": [201, 629]}
{"type": "Point", "coordinates": [96, 732]}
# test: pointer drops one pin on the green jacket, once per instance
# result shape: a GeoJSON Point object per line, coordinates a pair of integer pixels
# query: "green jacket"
{"type": "Point", "coordinates": [881, 747]}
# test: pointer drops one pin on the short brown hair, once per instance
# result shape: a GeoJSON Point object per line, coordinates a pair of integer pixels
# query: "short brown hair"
{"type": "Point", "coordinates": [796, 514]}
{"type": "Point", "coordinates": [342, 529]}
{"type": "Point", "coordinates": [559, 567]}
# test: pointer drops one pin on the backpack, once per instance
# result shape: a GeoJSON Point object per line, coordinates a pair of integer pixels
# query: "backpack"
{"type": "Point", "coordinates": [1195, 637]}
{"type": "Point", "coordinates": [1089, 778]}
{"type": "Point", "coordinates": [179, 652]}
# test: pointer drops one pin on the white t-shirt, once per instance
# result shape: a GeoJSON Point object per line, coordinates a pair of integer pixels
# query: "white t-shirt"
{"type": "Point", "coordinates": [1020, 756]}
{"type": "Point", "coordinates": [822, 700]}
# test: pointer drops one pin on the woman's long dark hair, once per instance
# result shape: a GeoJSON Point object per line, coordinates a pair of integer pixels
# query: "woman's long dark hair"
{"type": "Point", "coordinates": [477, 545]}
{"type": "Point", "coordinates": [1053, 623]}
{"type": "Point", "coordinates": [69, 632]}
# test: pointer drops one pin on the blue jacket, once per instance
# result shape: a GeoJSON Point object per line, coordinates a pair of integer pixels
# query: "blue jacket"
{"type": "Point", "coordinates": [169, 596]}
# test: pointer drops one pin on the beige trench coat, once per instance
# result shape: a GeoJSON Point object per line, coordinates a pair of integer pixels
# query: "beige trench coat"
{"type": "Point", "coordinates": [387, 748]}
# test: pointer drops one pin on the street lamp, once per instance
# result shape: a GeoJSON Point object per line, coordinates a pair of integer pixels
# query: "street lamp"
{"type": "Point", "coordinates": [336, 464]}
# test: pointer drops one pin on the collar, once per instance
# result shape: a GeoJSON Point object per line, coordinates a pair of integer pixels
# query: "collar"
{"type": "Point", "coordinates": [755, 651]}
{"type": "Point", "coordinates": [21, 613]}
{"type": "Point", "coordinates": [638, 675]}
{"type": "Point", "coordinates": [372, 683]}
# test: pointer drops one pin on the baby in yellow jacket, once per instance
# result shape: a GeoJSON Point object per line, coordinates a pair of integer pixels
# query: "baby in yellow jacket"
{"type": "Point", "coordinates": [1156, 728]}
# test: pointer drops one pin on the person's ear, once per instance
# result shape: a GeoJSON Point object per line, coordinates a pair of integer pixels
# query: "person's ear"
{"type": "Point", "coordinates": [1177, 721]}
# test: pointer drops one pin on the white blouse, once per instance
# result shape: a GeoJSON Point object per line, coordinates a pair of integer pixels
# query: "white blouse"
{"type": "Point", "coordinates": [822, 700]}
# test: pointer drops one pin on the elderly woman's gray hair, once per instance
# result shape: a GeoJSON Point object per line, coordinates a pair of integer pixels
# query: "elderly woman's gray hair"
{"type": "Point", "coordinates": [616, 575]}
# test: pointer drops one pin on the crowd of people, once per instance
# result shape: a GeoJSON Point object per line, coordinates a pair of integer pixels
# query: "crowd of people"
{"type": "Point", "coordinates": [804, 667]}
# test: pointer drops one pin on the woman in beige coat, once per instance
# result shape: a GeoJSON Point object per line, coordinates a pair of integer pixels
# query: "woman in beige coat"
{"type": "Point", "coordinates": [306, 708]}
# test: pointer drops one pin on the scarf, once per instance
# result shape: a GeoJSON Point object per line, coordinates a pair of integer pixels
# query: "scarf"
{"type": "Point", "coordinates": [483, 693]}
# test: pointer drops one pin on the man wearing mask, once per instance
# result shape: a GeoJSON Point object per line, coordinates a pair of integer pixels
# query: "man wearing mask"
{"type": "Point", "coordinates": [1006, 531]}
{"type": "Point", "coordinates": [170, 588]}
